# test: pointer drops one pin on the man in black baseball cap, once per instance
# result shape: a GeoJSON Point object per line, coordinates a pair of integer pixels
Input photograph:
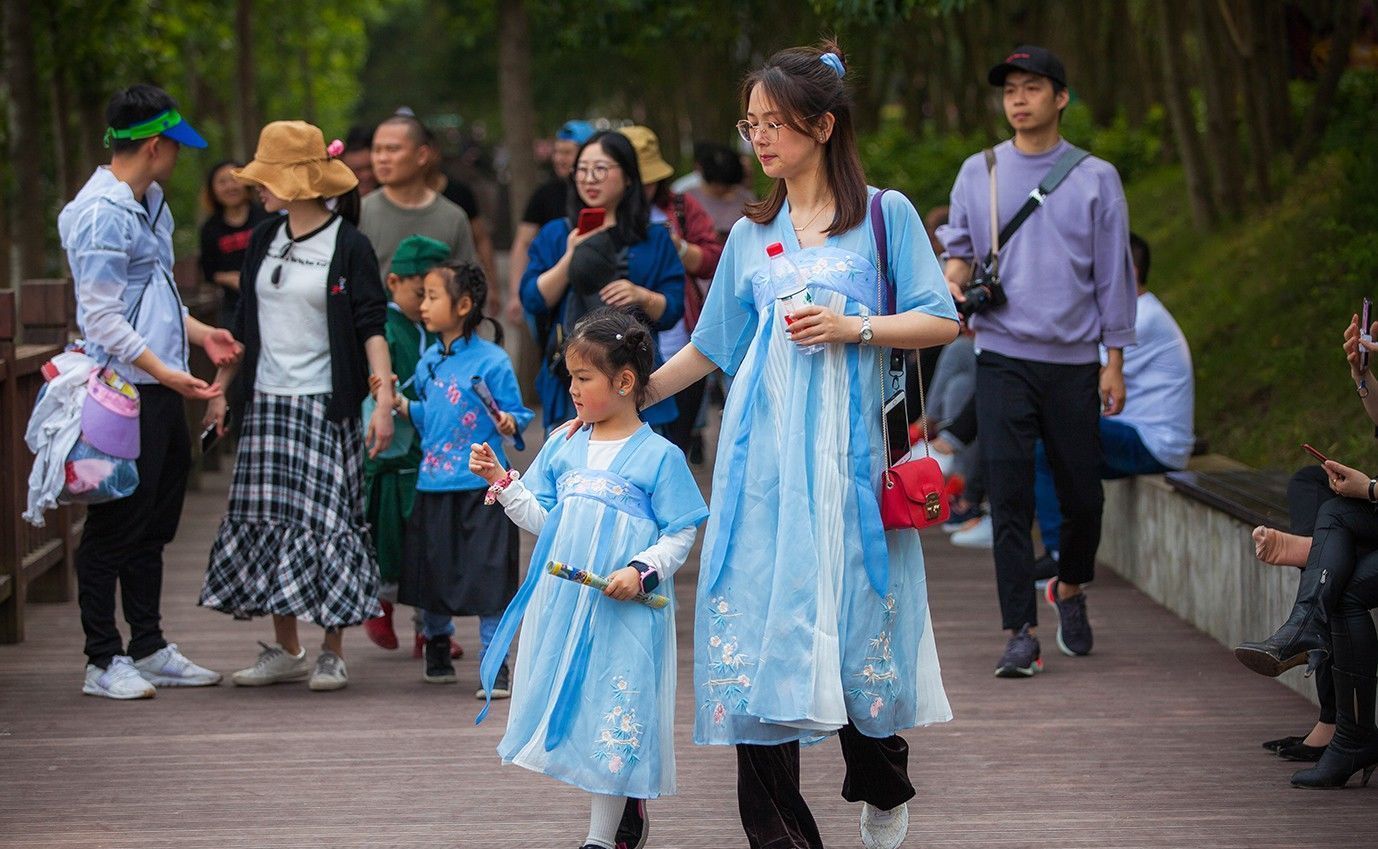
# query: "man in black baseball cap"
{"type": "Point", "coordinates": [1035, 60]}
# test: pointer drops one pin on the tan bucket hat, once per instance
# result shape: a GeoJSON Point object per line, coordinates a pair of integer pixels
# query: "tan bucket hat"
{"type": "Point", "coordinates": [292, 163]}
{"type": "Point", "coordinates": [653, 166]}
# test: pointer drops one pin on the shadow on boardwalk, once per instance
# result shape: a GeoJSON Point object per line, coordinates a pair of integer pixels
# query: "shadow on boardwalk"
{"type": "Point", "coordinates": [1153, 741]}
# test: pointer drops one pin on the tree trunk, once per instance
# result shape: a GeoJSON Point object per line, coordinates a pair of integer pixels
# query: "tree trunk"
{"type": "Point", "coordinates": [1249, 39]}
{"type": "Point", "coordinates": [518, 111]}
{"type": "Point", "coordinates": [1177, 100]}
{"type": "Point", "coordinates": [247, 137]}
{"type": "Point", "coordinates": [25, 144]}
{"type": "Point", "coordinates": [1274, 55]}
{"type": "Point", "coordinates": [1222, 116]}
{"type": "Point", "coordinates": [1346, 21]}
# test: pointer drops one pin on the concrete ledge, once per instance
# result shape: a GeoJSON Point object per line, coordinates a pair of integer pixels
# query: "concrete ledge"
{"type": "Point", "coordinates": [1197, 562]}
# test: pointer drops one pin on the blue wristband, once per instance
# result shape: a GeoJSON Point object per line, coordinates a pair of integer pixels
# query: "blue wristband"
{"type": "Point", "coordinates": [650, 578]}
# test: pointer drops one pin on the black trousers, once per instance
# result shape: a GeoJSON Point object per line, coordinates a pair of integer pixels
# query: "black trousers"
{"type": "Point", "coordinates": [774, 813]}
{"type": "Point", "coordinates": [123, 540]}
{"type": "Point", "coordinates": [1345, 536]}
{"type": "Point", "coordinates": [1308, 489]}
{"type": "Point", "coordinates": [1019, 402]}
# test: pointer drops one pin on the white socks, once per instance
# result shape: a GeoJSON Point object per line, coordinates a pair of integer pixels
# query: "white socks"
{"type": "Point", "coordinates": [604, 816]}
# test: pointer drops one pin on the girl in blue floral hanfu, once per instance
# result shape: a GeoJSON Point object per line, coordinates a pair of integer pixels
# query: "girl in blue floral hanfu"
{"type": "Point", "coordinates": [593, 695]}
{"type": "Point", "coordinates": [811, 620]}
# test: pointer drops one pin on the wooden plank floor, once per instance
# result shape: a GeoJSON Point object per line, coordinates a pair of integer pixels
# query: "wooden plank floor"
{"type": "Point", "coordinates": [1150, 742]}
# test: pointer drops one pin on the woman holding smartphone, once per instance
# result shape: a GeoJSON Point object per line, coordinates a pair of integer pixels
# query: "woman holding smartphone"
{"type": "Point", "coordinates": [810, 619]}
{"type": "Point", "coordinates": [1337, 590]}
{"type": "Point", "coordinates": [622, 262]}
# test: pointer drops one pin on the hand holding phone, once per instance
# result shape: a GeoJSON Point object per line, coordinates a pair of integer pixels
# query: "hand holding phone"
{"type": "Point", "coordinates": [209, 437]}
{"type": "Point", "coordinates": [590, 219]}
{"type": "Point", "coordinates": [1365, 333]}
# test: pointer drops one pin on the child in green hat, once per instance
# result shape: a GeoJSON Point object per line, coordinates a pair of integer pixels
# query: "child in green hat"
{"type": "Point", "coordinates": [391, 480]}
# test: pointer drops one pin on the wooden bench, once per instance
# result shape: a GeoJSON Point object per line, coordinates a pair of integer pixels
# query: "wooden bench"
{"type": "Point", "coordinates": [1253, 496]}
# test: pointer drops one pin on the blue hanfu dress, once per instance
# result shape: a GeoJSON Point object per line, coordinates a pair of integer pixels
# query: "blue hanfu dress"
{"type": "Point", "coordinates": [593, 693]}
{"type": "Point", "coordinates": [809, 614]}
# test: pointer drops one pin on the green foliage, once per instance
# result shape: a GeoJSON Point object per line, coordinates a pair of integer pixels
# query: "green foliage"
{"type": "Point", "coordinates": [1263, 304]}
{"type": "Point", "coordinates": [922, 168]}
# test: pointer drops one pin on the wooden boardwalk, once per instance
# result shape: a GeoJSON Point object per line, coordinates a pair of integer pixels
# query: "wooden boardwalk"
{"type": "Point", "coordinates": [1153, 741]}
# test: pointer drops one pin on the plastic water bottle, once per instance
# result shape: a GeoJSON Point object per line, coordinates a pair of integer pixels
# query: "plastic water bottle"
{"type": "Point", "coordinates": [790, 288]}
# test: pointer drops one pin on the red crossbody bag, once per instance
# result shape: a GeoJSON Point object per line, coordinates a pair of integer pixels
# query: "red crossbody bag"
{"type": "Point", "coordinates": [912, 494]}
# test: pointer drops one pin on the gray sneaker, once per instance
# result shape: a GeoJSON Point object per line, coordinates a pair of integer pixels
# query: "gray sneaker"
{"type": "Point", "coordinates": [1073, 628]}
{"type": "Point", "coordinates": [274, 665]}
{"type": "Point", "coordinates": [168, 667]}
{"type": "Point", "coordinates": [883, 829]}
{"type": "Point", "coordinates": [330, 673]}
{"type": "Point", "coordinates": [1023, 658]}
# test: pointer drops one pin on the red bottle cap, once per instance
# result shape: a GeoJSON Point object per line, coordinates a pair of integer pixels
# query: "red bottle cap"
{"type": "Point", "coordinates": [774, 250]}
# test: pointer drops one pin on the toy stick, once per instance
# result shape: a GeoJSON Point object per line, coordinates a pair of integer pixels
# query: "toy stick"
{"type": "Point", "coordinates": [494, 413]}
{"type": "Point", "coordinates": [588, 579]}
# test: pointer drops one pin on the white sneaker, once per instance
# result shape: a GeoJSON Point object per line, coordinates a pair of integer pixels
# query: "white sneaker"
{"type": "Point", "coordinates": [119, 680]}
{"type": "Point", "coordinates": [883, 829]}
{"type": "Point", "coordinates": [168, 667]}
{"type": "Point", "coordinates": [273, 666]}
{"type": "Point", "coordinates": [979, 535]}
{"type": "Point", "coordinates": [330, 672]}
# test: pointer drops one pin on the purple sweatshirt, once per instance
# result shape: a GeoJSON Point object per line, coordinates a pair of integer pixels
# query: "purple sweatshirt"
{"type": "Point", "coordinates": [1067, 270]}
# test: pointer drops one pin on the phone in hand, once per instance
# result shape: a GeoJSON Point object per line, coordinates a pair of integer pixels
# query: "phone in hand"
{"type": "Point", "coordinates": [1306, 446]}
{"type": "Point", "coordinates": [210, 436]}
{"type": "Point", "coordinates": [591, 218]}
{"type": "Point", "coordinates": [1365, 326]}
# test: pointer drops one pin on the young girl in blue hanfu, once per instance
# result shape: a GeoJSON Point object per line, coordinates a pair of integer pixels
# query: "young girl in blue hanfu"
{"type": "Point", "coordinates": [811, 619]}
{"type": "Point", "coordinates": [459, 558]}
{"type": "Point", "coordinates": [593, 699]}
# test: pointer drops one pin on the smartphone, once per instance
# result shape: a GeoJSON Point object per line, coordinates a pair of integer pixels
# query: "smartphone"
{"type": "Point", "coordinates": [1365, 324]}
{"type": "Point", "coordinates": [209, 436]}
{"type": "Point", "coordinates": [591, 218]}
{"type": "Point", "coordinates": [1313, 452]}
{"type": "Point", "coordinates": [897, 426]}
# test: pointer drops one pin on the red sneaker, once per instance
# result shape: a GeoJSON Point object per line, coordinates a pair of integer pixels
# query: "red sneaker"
{"type": "Point", "coordinates": [379, 629]}
{"type": "Point", "coordinates": [419, 647]}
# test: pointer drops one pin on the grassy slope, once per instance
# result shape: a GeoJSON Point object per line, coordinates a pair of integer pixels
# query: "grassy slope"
{"type": "Point", "coordinates": [1264, 303]}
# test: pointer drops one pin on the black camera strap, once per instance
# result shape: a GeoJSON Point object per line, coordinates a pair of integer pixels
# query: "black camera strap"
{"type": "Point", "coordinates": [1061, 168]}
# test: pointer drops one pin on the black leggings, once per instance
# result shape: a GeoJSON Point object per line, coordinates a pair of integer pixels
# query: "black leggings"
{"type": "Point", "coordinates": [1308, 489]}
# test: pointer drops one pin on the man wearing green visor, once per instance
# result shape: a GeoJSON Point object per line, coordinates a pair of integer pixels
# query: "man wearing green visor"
{"type": "Point", "coordinates": [117, 233]}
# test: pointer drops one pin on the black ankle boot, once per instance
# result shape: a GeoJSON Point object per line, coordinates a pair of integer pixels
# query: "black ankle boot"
{"type": "Point", "coordinates": [1355, 747]}
{"type": "Point", "coordinates": [1303, 638]}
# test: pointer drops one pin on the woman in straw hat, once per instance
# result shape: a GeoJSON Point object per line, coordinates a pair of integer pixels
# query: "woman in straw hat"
{"type": "Point", "coordinates": [312, 311]}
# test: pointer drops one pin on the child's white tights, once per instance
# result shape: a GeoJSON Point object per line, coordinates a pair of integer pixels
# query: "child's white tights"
{"type": "Point", "coordinates": [604, 817]}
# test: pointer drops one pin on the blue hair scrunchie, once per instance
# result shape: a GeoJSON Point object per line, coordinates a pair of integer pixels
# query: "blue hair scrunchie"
{"type": "Point", "coordinates": [832, 60]}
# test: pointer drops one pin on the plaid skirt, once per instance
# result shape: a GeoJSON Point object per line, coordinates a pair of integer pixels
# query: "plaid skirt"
{"type": "Point", "coordinates": [294, 541]}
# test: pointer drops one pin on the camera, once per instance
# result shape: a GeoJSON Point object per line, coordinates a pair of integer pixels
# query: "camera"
{"type": "Point", "coordinates": [983, 293]}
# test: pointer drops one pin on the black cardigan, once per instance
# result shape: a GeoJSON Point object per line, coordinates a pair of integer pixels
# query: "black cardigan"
{"type": "Point", "coordinates": [355, 311]}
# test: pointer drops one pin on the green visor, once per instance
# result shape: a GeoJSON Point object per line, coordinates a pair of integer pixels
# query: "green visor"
{"type": "Point", "coordinates": [169, 123]}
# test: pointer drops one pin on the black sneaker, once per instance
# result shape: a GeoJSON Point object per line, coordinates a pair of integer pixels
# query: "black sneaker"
{"type": "Point", "coordinates": [1023, 658]}
{"type": "Point", "coordinates": [502, 685]}
{"type": "Point", "coordinates": [439, 668]}
{"type": "Point", "coordinates": [1073, 628]}
{"type": "Point", "coordinates": [632, 831]}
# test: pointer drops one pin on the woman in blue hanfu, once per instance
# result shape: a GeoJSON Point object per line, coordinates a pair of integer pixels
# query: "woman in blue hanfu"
{"type": "Point", "coordinates": [810, 618]}
{"type": "Point", "coordinates": [593, 699]}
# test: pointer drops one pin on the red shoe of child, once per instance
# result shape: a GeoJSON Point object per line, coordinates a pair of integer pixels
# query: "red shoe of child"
{"type": "Point", "coordinates": [419, 647]}
{"type": "Point", "coordinates": [379, 629]}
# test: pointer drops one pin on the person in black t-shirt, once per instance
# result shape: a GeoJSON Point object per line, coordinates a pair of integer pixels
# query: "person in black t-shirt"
{"type": "Point", "coordinates": [225, 233]}
{"type": "Point", "coordinates": [547, 203]}
{"type": "Point", "coordinates": [463, 197]}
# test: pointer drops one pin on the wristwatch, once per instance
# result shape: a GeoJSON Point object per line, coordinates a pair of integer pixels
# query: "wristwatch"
{"type": "Point", "coordinates": [866, 332]}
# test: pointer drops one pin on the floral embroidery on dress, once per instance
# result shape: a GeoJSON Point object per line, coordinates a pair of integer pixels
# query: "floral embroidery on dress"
{"type": "Point", "coordinates": [597, 485]}
{"type": "Point", "coordinates": [618, 745]}
{"type": "Point", "coordinates": [879, 680]}
{"type": "Point", "coordinates": [727, 683]}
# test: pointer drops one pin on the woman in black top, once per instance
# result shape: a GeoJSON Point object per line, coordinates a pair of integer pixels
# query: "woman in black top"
{"type": "Point", "coordinates": [225, 233]}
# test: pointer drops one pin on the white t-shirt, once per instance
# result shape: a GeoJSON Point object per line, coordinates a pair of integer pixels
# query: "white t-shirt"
{"type": "Point", "coordinates": [295, 357]}
{"type": "Point", "coordinates": [1160, 390]}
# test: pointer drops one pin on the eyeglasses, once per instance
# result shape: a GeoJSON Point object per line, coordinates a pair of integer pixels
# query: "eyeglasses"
{"type": "Point", "coordinates": [769, 131]}
{"type": "Point", "coordinates": [596, 173]}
